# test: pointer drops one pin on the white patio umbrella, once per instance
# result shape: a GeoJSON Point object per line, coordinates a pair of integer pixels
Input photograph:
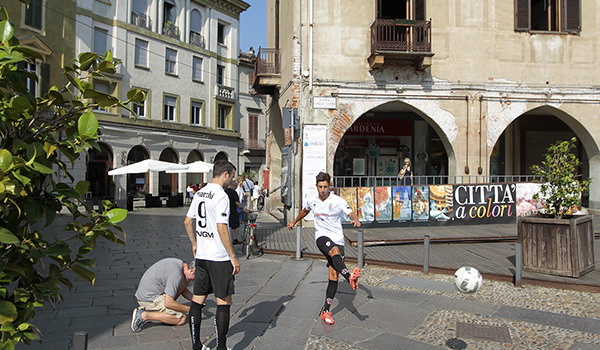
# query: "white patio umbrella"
{"type": "Point", "coordinates": [145, 166]}
{"type": "Point", "coordinates": [195, 167]}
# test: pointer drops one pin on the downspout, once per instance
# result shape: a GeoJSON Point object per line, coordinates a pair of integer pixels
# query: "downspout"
{"type": "Point", "coordinates": [310, 45]}
{"type": "Point", "coordinates": [480, 169]}
{"type": "Point", "coordinates": [467, 135]}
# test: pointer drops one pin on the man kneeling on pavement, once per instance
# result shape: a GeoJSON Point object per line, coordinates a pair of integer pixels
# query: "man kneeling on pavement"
{"type": "Point", "coordinates": [158, 291]}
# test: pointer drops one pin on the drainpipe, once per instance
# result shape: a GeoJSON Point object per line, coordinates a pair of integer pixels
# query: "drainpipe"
{"type": "Point", "coordinates": [310, 45]}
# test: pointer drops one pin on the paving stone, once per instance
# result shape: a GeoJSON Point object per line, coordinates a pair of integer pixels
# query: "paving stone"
{"type": "Point", "coordinates": [351, 334]}
{"type": "Point", "coordinates": [390, 341]}
{"type": "Point", "coordinates": [583, 346]}
{"type": "Point", "coordinates": [417, 283]}
{"type": "Point", "coordinates": [549, 318]}
{"type": "Point", "coordinates": [286, 332]}
{"type": "Point", "coordinates": [470, 306]}
{"type": "Point", "coordinates": [261, 309]}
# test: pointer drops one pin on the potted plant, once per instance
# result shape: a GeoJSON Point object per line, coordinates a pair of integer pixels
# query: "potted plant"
{"type": "Point", "coordinates": [556, 240]}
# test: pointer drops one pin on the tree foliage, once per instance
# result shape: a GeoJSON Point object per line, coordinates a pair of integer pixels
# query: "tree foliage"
{"type": "Point", "coordinates": [40, 139]}
{"type": "Point", "coordinates": [561, 188]}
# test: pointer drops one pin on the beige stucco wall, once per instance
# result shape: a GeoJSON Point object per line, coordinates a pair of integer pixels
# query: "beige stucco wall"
{"type": "Point", "coordinates": [484, 75]}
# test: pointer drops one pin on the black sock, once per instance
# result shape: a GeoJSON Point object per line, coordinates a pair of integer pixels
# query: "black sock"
{"type": "Point", "coordinates": [339, 266]}
{"type": "Point", "coordinates": [330, 294]}
{"type": "Point", "coordinates": [222, 325]}
{"type": "Point", "coordinates": [195, 318]}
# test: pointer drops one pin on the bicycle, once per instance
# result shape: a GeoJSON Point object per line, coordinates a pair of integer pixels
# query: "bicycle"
{"type": "Point", "coordinates": [250, 244]}
{"type": "Point", "coordinates": [260, 202]}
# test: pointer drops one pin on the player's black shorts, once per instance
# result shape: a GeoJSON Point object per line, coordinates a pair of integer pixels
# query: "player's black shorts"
{"type": "Point", "coordinates": [214, 276]}
{"type": "Point", "coordinates": [325, 244]}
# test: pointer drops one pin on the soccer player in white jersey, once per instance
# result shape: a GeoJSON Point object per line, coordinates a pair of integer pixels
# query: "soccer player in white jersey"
{"type": "Point", "coordinates": [329, 209]}
{"type": "Point", "coordinates": [206, 224]}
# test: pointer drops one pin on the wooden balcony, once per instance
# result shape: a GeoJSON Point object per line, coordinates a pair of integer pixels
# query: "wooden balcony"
{"type": "Point", "coordinates": [400, 39]}
{"type": "Point", "coordinates": [267, 71]}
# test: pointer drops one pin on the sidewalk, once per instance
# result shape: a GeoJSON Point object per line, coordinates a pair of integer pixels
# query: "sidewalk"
{"type": "Point", "coordinates": [277, 302]}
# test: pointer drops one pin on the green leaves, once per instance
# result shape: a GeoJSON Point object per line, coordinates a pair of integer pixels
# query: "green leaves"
{"type": "Point", "coordinates": [8, 311]}
{"type": "Point", "coordinates": [116, 215]}
{"type": "Point", "coordinates": [8, 237]}
{"type": "Point", "coordinates": [6, 31]}
{"type": "Point", "coordinates": [85, 274]}
{"type": "Point", "coordinates": [87, 124]}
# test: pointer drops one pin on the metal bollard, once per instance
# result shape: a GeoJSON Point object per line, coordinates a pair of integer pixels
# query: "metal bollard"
{"type": "Point", "coordinates": [426, 255]}
{"type": "Point", "coordinates": [361, 246]}
{"type": "Point", "coordinates": [80, 340]}
{"type": "Point", "coordinates": [518, 263]}
{"type": "Point", "coordinates": [298, 242]}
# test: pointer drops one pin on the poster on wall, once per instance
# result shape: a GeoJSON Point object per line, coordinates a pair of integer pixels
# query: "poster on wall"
{"type": "Point", "coordinates": [349, 195]}
{"type": "Point", "coordinates": [314, 159]}
{"type": "Point", "coordinates": [441, 203]}
{"type": "Point", "coordinates": [420, 203]}
{"type": "Point", "coordinates": [366, 208]}
{"type": "Point", "coordinates": [402, 203]}
{"type": "Point", "coordinates": [526, 205]}
{"type": "Point", "coordinates": [484, 204]}
{"type": "Point", "coordinates": [383, 204]}
{"type": "Point", "coordinates": [387, 166]}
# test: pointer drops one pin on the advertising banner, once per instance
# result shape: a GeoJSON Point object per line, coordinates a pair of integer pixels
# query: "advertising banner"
{"type": "Point", "coordinates": [349, 195]}
{"type": "Point", "coordinates": [484, 204]}
{"type": "Point", "coordinates": [441, 204]}
{"type": "Point", "coordinates": [383, 204]}
{"type": "Point", "coordinates": [366, 208]}
{"type": "Point", "coordinates": [402, 203]}
{"type": "Point", "coordinates": [314, 159]}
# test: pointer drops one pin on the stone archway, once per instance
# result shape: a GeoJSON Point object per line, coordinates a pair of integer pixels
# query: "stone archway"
{"type": "Point", "coordinates": [168, 182]}
{"type": "Point", "coordinates": [195, 178]}
{"type": "Point", "coordinates": [98, 164]}
{"type": "Point", "coordinates": [137, 184]}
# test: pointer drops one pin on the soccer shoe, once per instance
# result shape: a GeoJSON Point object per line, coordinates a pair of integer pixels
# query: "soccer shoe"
{"type": "Point", "coordinates": [136, 320]}
{"type": "Point", "coordinates": [354, 278]}
{"type": "Point", "coordinates": [327, 318]}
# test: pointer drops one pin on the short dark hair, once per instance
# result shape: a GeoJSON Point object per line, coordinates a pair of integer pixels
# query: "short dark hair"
{"type": "Point", "coordinates": [323, 177]}
{"type": "Point", "coordinates": [223, 166]}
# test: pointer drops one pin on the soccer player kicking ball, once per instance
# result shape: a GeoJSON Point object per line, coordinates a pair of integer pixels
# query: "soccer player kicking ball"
{"type": "Point", "coordinates": [329, 209]}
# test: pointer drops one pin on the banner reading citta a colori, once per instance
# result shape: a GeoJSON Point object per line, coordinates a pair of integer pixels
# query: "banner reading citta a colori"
{"type": "Point", "coordinates": [435, 204]}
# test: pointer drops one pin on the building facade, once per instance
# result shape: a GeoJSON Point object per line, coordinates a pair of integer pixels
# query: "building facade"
{"type": "Point", "coordinates": [253, 125]}
{"type": "Point", "coordinates": [184, 55]}
{"type": "Point", "coordinates": [469, 91]}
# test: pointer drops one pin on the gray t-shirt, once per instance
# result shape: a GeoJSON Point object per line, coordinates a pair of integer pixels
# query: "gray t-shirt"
{"type": "Point", "coordinates": [164, 277]}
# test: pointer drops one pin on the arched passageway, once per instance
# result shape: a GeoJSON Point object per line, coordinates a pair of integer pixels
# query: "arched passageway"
{"type": "Point", "coordinates": [98, 164]}
{"type": "Point", "coordinates": [221, 156]}
{"type": "Point", "coordinates": [137, 184]}
{"type": "Point", "coordinates": [194, 178]}
{"type": "Point", "coordinates": [168, 182]}
{"type": "Point", "coordinates": [378, 142]}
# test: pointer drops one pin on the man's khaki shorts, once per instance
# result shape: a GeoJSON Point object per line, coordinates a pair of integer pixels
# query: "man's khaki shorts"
{"type": "Point", "coordinates": [158, 305]}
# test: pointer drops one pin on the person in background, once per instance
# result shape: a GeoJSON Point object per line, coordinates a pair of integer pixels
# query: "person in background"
{"type": "Point", "coordinates": [234, 206]}
{"type": "Point", "coordinates": [248, 187]}
{"type": "Point", "coordinates": [405, 175]}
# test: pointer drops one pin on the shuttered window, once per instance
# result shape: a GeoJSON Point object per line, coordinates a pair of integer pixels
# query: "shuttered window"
{"type": "Point", "coordinates": [33, 14]}
{"type": "Point", "coordinates": [548, 15]}
{"type": "Point", "coordinates": [572, 21]}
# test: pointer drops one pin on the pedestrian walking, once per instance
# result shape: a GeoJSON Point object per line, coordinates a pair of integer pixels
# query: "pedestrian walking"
{"type": "Point", "coordinates": [206, 225]}
{"type": "Point", "coordinates": [328, 209]}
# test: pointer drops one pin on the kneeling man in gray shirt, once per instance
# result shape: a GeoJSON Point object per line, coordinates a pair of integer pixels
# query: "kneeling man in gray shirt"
{"type": "Point", "coordinates": [158, 291]}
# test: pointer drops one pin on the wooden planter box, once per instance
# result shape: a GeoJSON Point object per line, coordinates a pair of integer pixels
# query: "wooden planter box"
{"type": "Point", "coordinates": [562, 247]}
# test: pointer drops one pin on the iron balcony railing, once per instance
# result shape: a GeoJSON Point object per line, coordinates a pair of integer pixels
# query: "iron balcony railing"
{"type": "Point", "coordinates": [400, 35]}
{"type": "Point", "coordinates": [267, 62]}
{"type": "Point", "coordinates": [197, 39]}
{"type": "Point", "coordinates": [141, 20]}
{"type": "Point", "coordinates": [171, 30]}
{"type": "Point", "coordinates": [254, 144]}
{"type": "Point", "coordinates": [369, 181]}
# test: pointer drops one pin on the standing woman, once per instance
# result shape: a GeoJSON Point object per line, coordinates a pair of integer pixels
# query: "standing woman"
{"type": "Point", "coordinates": [405, 175]}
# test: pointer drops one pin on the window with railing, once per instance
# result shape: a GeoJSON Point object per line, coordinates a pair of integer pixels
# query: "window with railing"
{"type": "Point", "coordinates": [141, 20]}
{"type": "Point", "coordinates": [169, 27]}
{"type": "Point", "coordinates": [197, 39]}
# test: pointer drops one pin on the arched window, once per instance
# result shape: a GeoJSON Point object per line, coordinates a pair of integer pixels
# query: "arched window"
{"type": "Point", "coordinates": [196, 21]}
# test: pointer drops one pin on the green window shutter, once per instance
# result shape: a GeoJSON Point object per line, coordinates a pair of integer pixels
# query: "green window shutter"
{"type": "Point", "coordinates": [522, 15]}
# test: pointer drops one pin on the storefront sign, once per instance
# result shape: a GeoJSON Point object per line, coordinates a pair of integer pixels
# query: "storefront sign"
{"type": "Point", "coordinates": [324, 102]}
{"type": "Point", "coordinates": [381, 127]}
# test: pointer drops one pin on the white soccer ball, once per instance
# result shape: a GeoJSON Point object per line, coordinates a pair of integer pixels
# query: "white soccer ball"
{"type": "Point", "coordinates": [467, 279]}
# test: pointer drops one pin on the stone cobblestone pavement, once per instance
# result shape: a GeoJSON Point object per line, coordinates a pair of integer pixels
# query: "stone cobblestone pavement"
{"type": "Point", "coordinates": [278, 299]}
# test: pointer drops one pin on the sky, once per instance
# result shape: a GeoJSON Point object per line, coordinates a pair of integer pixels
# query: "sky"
{"type": "Point", "coordinates": [253, 26]}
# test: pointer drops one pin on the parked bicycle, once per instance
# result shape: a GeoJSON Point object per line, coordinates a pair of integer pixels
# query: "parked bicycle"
{"type": "Point", "coordinates": [260, 201]}
{"type": "Point", "coordinates": [250, 245]}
